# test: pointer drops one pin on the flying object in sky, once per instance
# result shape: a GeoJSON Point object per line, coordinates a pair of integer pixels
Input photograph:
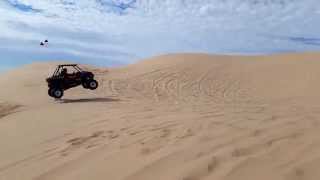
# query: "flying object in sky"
{"type": "Point", "coordinates": [45, 43]}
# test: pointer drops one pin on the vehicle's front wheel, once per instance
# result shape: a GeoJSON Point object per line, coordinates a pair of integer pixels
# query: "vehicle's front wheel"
{"type": "Point", "coordinates": [50, 92]}
{"type": "Point", "coordinates": [85, 85]}
{"type": "Point", "coordinates": [93, 84]}
{"type": "Point", "coordinates": [56, 93]}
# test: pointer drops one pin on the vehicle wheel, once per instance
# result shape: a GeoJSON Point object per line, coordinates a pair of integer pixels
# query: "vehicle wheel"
{"type": "Point", "coordinates": [57, 93]}
{"type": "Point", "coordinates": [85, 85]}
{"type": "Point", "coordinates": [50, 92]}
{"type": "Point", "coordinates": [93, 84]}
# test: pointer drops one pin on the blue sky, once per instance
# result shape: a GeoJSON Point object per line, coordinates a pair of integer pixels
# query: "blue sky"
{"type": "Point", "coordinates": [118, 32]}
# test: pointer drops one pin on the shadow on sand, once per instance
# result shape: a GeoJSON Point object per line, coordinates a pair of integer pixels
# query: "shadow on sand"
{"type": "Point", "coordinates": [87, 100]}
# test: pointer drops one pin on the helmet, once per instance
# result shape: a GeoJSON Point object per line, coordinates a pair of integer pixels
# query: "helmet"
{"type": "Point", "coordinates": [64, 71]}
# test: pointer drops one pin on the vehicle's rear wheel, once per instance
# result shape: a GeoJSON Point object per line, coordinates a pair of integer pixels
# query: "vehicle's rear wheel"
{"type": "Point", "coordinates": [93, 84]}
{"type": "Point", "coordinates": [57, 93]}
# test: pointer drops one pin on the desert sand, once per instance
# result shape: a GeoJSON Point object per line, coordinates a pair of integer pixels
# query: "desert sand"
{"type": "Point", "coordinates": [172, 117]}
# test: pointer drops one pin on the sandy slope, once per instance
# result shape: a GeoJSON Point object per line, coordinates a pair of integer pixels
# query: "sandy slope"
{"type": "Point", "coordinates": [175, 117]}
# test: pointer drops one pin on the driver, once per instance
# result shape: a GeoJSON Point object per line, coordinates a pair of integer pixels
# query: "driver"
{"type": "Point", "coordinates": [65, 74]}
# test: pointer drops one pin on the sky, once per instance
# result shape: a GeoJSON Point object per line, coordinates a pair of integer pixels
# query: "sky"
{"type": "Point", "coordinates": [119, 32]}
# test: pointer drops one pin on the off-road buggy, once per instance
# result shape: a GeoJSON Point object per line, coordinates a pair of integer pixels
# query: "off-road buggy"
{"type": "Point", "coordinates": [61, 80]}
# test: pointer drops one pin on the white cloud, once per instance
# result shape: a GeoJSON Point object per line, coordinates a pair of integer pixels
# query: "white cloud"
{"type": "Point", "coordinates": [126, 30]}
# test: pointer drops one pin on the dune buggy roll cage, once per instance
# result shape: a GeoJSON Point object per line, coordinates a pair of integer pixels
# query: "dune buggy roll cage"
{"type": "Point", "coordinates": [60, 67]}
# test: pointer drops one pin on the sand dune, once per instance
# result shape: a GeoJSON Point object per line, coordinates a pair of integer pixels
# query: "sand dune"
{"type": "Point", "coordinates": [173, 117]}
